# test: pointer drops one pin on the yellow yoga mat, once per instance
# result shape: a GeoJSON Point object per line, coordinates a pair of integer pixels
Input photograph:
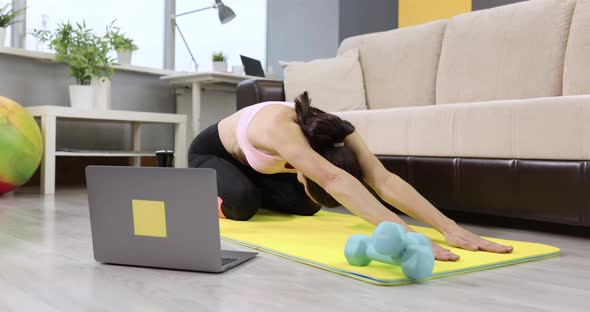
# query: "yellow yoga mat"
{"type": "Point", "coordinates": [319, 241]}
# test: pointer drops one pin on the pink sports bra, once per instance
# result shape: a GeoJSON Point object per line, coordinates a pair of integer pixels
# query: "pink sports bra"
{"type": "Point", "coordinates": [259, 161]}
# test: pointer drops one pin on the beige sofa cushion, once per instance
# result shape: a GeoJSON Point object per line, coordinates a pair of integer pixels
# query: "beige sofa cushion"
{"type": "Point", "coordinates": [399, 66]}
{"type": "Point", "coordinates": [510, 52]}
{"type": "Point", "coordinates": [334, 84]}
{"type": "Point", "coordinates": [576, 75]}
{"type": "Point", "coordinates": [542, 128]}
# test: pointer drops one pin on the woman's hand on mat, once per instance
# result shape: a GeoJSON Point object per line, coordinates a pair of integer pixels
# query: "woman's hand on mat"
{"type": "Point", "coordinates": [459, 237]}
{"type": "Point", "coordinates": [443, 254]}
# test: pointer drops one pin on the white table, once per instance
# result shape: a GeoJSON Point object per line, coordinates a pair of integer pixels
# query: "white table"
{"type": "Point", "coordinates": [50, 114]}
{"type": "Point", "coordinates": [202, 113]}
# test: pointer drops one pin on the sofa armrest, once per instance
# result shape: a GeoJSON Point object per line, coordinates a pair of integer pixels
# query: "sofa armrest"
{"type": "Point", "coordinates": [253, 91]}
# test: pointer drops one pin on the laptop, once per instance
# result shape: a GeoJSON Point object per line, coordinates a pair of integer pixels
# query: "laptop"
{"type": "Point", "coordinates": [157, 217]}
{"type": "Point", "coordinates": [252, 67]}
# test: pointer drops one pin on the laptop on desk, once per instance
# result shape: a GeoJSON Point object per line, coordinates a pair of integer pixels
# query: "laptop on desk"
{"type": "Point", "coordinates": [157, 217]}
{"type": "Point", "coordinates": [252, 67]}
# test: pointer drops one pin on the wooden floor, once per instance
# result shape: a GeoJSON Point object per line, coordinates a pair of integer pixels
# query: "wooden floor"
{"type": "Point", "coordinates": [46, 264]}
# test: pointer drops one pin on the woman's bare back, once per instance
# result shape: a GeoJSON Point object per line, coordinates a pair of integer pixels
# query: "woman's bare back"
{"type": "Point", "coordinates": [269, 119]}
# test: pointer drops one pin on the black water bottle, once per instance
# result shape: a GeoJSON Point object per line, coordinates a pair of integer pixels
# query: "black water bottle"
{"type": "Point", "coordinates": [165, 158]}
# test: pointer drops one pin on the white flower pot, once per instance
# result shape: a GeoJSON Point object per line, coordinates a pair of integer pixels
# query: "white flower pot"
{"type": "Point", "coordinates": [124, 57]}
{"type": "Point", "coordinates": [2, 36]}
{"type": "Point", "coordinates": [237, 70]}
{"type": "Point", "coordinates": [82, 97]}
{"type": "Point", "coordinates": [220, 67]}
{"type": "Point", "coordinates": [102, 96]}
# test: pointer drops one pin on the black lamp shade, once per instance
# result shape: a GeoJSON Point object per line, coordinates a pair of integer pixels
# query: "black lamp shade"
{"type": "Point", "coordinates": [226, 14]}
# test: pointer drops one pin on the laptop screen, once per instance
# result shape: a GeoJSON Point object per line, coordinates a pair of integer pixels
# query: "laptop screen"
{"type": "Point", "coordinates": [252, 67]}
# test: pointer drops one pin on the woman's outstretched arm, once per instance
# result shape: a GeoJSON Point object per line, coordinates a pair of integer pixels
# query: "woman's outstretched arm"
{"type": "Point", "coordinates": [346, 189]}
{"type": "Point", "coordinates": [397, 192]}
{"type": "Point", "coordinates": [394, 190]}
{"type": "Point", "coordinates": [292, 145]}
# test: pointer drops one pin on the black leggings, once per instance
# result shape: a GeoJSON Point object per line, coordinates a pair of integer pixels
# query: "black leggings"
{"type": "Point", "coordinates": [244, 190]}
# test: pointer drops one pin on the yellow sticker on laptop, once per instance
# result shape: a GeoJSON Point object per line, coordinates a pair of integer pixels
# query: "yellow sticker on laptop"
{"type": "Point", "coordinates": [149, 218]}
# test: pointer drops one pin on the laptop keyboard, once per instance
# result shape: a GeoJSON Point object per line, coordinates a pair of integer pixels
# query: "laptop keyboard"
{"type": "Point", "coordinates": [225, 261]}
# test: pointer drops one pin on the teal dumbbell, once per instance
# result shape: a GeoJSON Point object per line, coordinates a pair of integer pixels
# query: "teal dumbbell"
{"type": "Point", "coordinates": [412, 250]}
{"type": "Point", "coordinates": [418, 259]}
{"type": "Point", "coordinates": [359, 251]}
{"type": "Point", "coordinates": [391, 244]}
{"type": "Point", "coordinates": [390, 239]}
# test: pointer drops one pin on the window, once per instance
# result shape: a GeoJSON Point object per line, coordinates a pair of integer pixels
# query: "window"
{"type": "Point", "coordinates": [245, 34]}
{"type": "Point", "coordinates": [8, 31]}
{"type": "Point", "coordinates": [142, 20]}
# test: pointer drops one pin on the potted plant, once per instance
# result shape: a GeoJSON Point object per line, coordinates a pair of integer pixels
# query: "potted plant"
{"type": "Point", "coordinates": [101, 76]}
{"type": "Point", "coordinates": [7, 18]}
{"type": "Point", "coordinates": [219, 62]}
{"type": "Point", "coordinates": [121, 43]}
{"type": "Point", "coordinates": [85, 53]}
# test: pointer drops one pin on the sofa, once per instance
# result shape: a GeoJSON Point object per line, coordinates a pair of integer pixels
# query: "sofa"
{"type": "Point", "coordinates": [487, 112]}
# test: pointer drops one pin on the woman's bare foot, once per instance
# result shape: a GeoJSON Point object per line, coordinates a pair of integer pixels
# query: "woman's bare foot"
{"type": "Point", "coordinates": [459, 237]}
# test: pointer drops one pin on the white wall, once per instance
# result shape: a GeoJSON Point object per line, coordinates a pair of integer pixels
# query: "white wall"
{"type": "Point", "coordinates": [245, 34]}
{"type": "Point", "coordinates": [301, 30]}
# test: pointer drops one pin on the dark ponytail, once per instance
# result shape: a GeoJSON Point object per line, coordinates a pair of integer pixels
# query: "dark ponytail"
{"type": "Point", "coordinates": [325, 132]}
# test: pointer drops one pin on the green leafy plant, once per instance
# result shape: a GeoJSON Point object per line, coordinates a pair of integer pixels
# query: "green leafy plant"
{"type": "Point", "coordinates": [219, 57]}
{"type": "Point", "coordinates": [8, 16]}
{"type": "Point", "coordinates": [77, 46]}
{"type": "Point", "coordinates": [118, 40]}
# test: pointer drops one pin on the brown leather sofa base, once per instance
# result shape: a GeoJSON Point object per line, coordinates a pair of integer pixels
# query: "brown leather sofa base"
{"type": "Point", "coordinates": [253, 91]}
{"type": "Point", "coordinates": [541, 190]}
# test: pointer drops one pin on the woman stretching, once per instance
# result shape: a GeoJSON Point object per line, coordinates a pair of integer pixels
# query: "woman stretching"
{"type": "Point", "coordinates": [294, 158]}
